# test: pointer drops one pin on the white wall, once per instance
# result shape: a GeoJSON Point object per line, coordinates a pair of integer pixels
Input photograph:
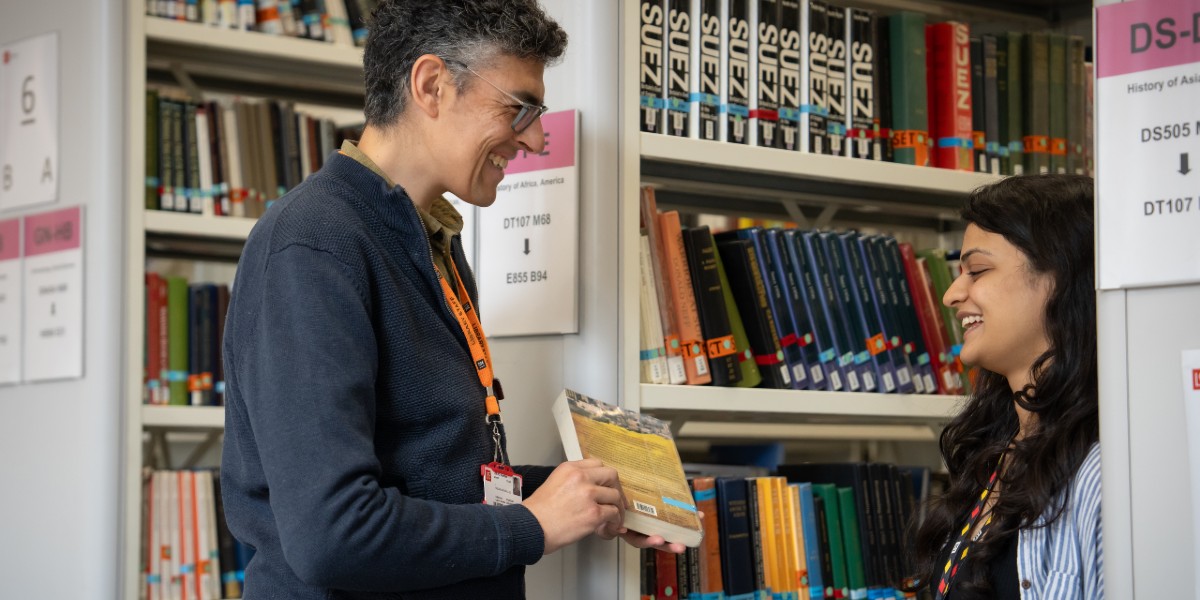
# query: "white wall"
{"type": "Point", "coordinates": [60, 442]}
{"type": "Point", "coordinates": [535, 369]}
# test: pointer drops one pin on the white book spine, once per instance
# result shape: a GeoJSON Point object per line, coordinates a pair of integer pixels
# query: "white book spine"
{"type": "Point", "coordinates": [204, 152]}
{"type": "Point", "coordinates": [234, 174]}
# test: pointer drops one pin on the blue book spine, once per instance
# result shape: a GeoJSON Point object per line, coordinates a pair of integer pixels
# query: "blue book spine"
{"type": "Point", "coordinates": [861, 363]}
{"type": "Point", "coordinates": [787, 339]}
{"type": "Point", "coordinates": [798, 316]}
{"type": "Point", "coordinates": [815, 251]}
{"type": "Point", "coordinates": [887, 307]}
{"type": "Point", "coordinates": [823, 337]}
{"type": "Point", "coordinates": [878, 364]}
{"type": "Point", "coordinates": [812, 539]}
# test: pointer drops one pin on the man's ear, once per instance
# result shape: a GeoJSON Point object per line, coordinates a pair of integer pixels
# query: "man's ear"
{"type": "Point", "coordinates": [428, 84]}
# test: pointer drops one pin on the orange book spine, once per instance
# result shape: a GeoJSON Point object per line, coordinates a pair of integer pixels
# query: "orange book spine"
{"type": "Point", "coordinates": [705, 493]}
{"type": "Point", "coordinates": [684, 301]}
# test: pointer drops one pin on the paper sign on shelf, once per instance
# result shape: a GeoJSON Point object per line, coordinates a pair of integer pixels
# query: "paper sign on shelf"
{"type": "Point", "coordinates": [1148, 142]}
{"type": "Point", "coordinates": [29, 122]}
{"type": "Point", "coordinates": [10, 301]}
{"type": "Point", "coordinates": [529, 239]}
{"type": "Point", "coordinates": [54, 295]}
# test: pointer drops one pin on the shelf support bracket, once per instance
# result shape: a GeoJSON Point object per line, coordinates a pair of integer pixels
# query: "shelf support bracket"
{"type": "Point", "coordinates": [793, 210]}
{"type": "Point", "coordinates": [185, 81]}
{"type": "Point", "coordinates": [826, 216]}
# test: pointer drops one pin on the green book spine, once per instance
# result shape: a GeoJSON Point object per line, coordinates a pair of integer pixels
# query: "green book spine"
{"type": "Point", "coordinates": [910, 117]}
{"type": "Point", "coordinates": [177, 339]}
{"type": "Point", "coordinates": [1014, 104]}
{"type": "Point", "coordinates": [854, 555]}
{"type": "Point", "coordinates": [1036, 79]}
{"type": "Point", "coordinates": [940, 272]}
{"type": "Point", "coordinates": [152, 180]}
{"type": "Point", "coordinates": [837, 548]}
{"type": "Point", "coordinates": [1002, 104]}
{"type": "Point", "coordinates": [1058, 103]}
{"type": "Point", "coordinates": [750, 375]}
{"type": "Point", "coordinates": [1076, 106]}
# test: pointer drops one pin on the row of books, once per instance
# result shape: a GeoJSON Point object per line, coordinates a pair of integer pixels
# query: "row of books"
{"type": "Point", "coordinates": [230, 158]}
{"type": "Point", "coordinates": [792, 309]}
{"type": "Point", "coordinates": [813, 532]}
{"type": "Point", "coordinates": [189, 553]}
{"type": "Point", "coordinates": [808, 76]}
{"type": "Point", "coordinates": [185, 324]}
{"type": "Point", "coordinates": [342, 22]}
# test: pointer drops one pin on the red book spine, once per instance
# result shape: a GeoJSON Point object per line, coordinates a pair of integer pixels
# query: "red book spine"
{"type": "Point", "coordinates": [667, 580]}
{"type": "Point", "coordinates": [153, 365]}
{"type": "Point", "coordinates": [948, 49]}
{"type": "Point", "coordinates": [936, 340]}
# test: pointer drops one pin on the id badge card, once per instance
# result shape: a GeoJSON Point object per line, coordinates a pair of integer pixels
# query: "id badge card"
{"type": "Point", "coordinates": [501, 485]}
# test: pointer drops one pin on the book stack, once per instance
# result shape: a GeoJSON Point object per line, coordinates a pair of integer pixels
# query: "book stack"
{"type": "Point", "coordinates": [342, 22]}
{"type": "Point", "coordinates": [188, 550]}
{"type": "Point", "coordinates": [185, 324]}
{"type": "Point", "coordinates": [792, 309]}
{"type": "Point", "coordinates": [812, 531]}
{"type": "Point", "coordinates": [231, 157]}
{"type": "Point", "coordinates": [808, 76]}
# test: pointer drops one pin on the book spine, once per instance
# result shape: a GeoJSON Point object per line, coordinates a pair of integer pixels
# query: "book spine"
{"type": "Point", "coordinates": [832, 307]}
{"type": "Point", "coordinates": [1058, 103]}
{"type": "Point", "coordinates": [788, 340]}
{"type": "Point", "coordinates": [750, 376]}
{"type": "Point", "coordinates": [750, 294]}
{"type": "Point", "coordinates": [676, 373]}
{"type": "Point", "coordinates": [1002, 107]}
{"type": "Point", "coordinates": [861, 83]}
{"type": "Point", "coordinates": [883, 88]}
{"type": "Point", "coordinates": [764, 86]}
{"type": "Point", "coordinates": [815, 114]}
{"type": "Point", "coordinates": [798, 320]}
{"type": "Point", "coordinates": [684, 301]}
{"type": "Point", "coordinates": [1015, 104]}
{"type": "Point", "coordinates": [823, 338]}
{"type": "Point", "coordinates": [812, 541]}
{"type": "Point", "coordinates": [856, 579]}
{"type": "Point", "coordinates": [991, 105]}
{"type": "Point", "coordinates": [652, 51]}
{"type": "Point", "coordinates": [838, 122]}
{"type": "Point", "coordinates": [843, 281]}
{"type": "Point", "coordinates": [792, 54]}
{"type": "Point", "coordinates": [705, 494]}
{"type": "Point", "coordinates": [910, 119]}
{"type": "Point", "coordinates": [652, 356]}
{"type": "Point", "coordinates": [1036, 107]}
{"type": "Point", "coordinates": [950, 104]}
{"type": "Point", "coordinates": [735, 72]}
{"type": "Point", "coordinates": [679, 67]}
{"type": "Point", "coordinates": [705, 90]}
{"type": "Point", "coordinates": [1076, 109]}
{"type": "Point", "coordinates": [710, 303]}
{"type": "Point", "coordinates": [978, 135]}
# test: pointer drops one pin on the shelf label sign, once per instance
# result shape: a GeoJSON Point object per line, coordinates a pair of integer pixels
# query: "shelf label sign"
{"type": "Point", "coordinates": [54, 295]}
{"type": "Point", "coordinates": [1148, 142]}
{"type": "Point", "coordinates": [10, 301]}
{"type": "Point", "coordinates": [529, 239]}
{"type": "Point", "coordinates": [29, 122]}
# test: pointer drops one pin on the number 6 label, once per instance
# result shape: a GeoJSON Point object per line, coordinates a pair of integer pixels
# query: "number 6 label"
{"type": "Point", "coordinates": [29, 122]}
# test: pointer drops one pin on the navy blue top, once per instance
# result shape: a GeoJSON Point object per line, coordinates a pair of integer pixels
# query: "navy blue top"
{"type": "Point", "coordinates": [354, 425]}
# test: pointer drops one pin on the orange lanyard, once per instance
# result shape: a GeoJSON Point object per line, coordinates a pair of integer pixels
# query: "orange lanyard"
{"type": "Point", "coordinates": [468, 320]}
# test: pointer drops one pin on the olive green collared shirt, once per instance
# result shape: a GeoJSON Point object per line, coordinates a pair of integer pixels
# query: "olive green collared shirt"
{"type": "Point", "coordinates": [442, 221]}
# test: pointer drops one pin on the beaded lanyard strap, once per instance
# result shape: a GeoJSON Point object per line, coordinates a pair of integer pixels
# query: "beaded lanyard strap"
{"type": "Point", "coordinates": [956, 558]}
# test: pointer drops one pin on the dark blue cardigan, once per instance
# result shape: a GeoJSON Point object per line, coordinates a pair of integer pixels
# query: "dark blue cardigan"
{"type": "Point", "coordinates": [354, 426]}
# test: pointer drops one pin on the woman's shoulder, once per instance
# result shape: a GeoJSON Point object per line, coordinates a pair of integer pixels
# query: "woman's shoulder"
{"type": "Point", "coordinates": [1085, 487]}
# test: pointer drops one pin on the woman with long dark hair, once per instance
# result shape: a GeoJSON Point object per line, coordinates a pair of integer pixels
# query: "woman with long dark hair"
{"type": "Point", "coordinates": [1021, 518]}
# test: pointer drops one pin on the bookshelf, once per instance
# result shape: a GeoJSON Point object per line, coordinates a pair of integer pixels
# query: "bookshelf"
{"type": "Point", "coordinates": [199, 59]}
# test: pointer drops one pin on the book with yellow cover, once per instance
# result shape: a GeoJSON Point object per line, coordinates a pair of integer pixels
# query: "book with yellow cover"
{"type": "Point", "coordinates": [641, 449]}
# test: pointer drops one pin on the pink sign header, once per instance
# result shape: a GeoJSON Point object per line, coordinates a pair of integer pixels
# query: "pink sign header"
{"type": "Point", "coordinates": [53, 231]}
{"type": "Point", "coordinates": [560, 146]}
{"type": "Point", "coordinates": [10, 239]}
{"type": "Point", "coordinates": [1146, 34]}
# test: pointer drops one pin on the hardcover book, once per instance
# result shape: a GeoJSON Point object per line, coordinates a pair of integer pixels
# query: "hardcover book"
{"type": "Point", "coordinates": [735, 71]}
{"type": "Point", "coordinates": [643, 452]}
{"type": "Point", "coordinates": [679, 67]}
{"type": "Point", "coordinates": [651, 73]}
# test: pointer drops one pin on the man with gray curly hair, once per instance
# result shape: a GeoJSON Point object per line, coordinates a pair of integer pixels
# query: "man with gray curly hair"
{"type": "Point", "coordinates": [364, 456]}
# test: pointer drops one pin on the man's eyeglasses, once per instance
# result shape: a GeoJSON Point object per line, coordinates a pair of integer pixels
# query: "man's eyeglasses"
{"type": "Point", "coordinates": [528, 112]}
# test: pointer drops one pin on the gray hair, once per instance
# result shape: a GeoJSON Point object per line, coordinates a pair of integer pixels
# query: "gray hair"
{"type": "Point", "coordinates": [470, 32]}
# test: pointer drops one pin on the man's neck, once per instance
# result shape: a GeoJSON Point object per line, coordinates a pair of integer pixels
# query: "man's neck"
{"type": "Point", "coordinates": [405, 164]}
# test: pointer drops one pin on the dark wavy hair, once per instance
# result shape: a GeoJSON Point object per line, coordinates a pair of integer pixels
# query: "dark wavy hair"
{"type": "Point", "coordinates": [1050, 219]}
{"type": "Point", "coordinates": [460, 31]}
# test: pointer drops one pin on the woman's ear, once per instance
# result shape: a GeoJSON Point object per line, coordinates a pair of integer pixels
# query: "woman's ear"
{"type": "Point", "coordinates": [428, 83]}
